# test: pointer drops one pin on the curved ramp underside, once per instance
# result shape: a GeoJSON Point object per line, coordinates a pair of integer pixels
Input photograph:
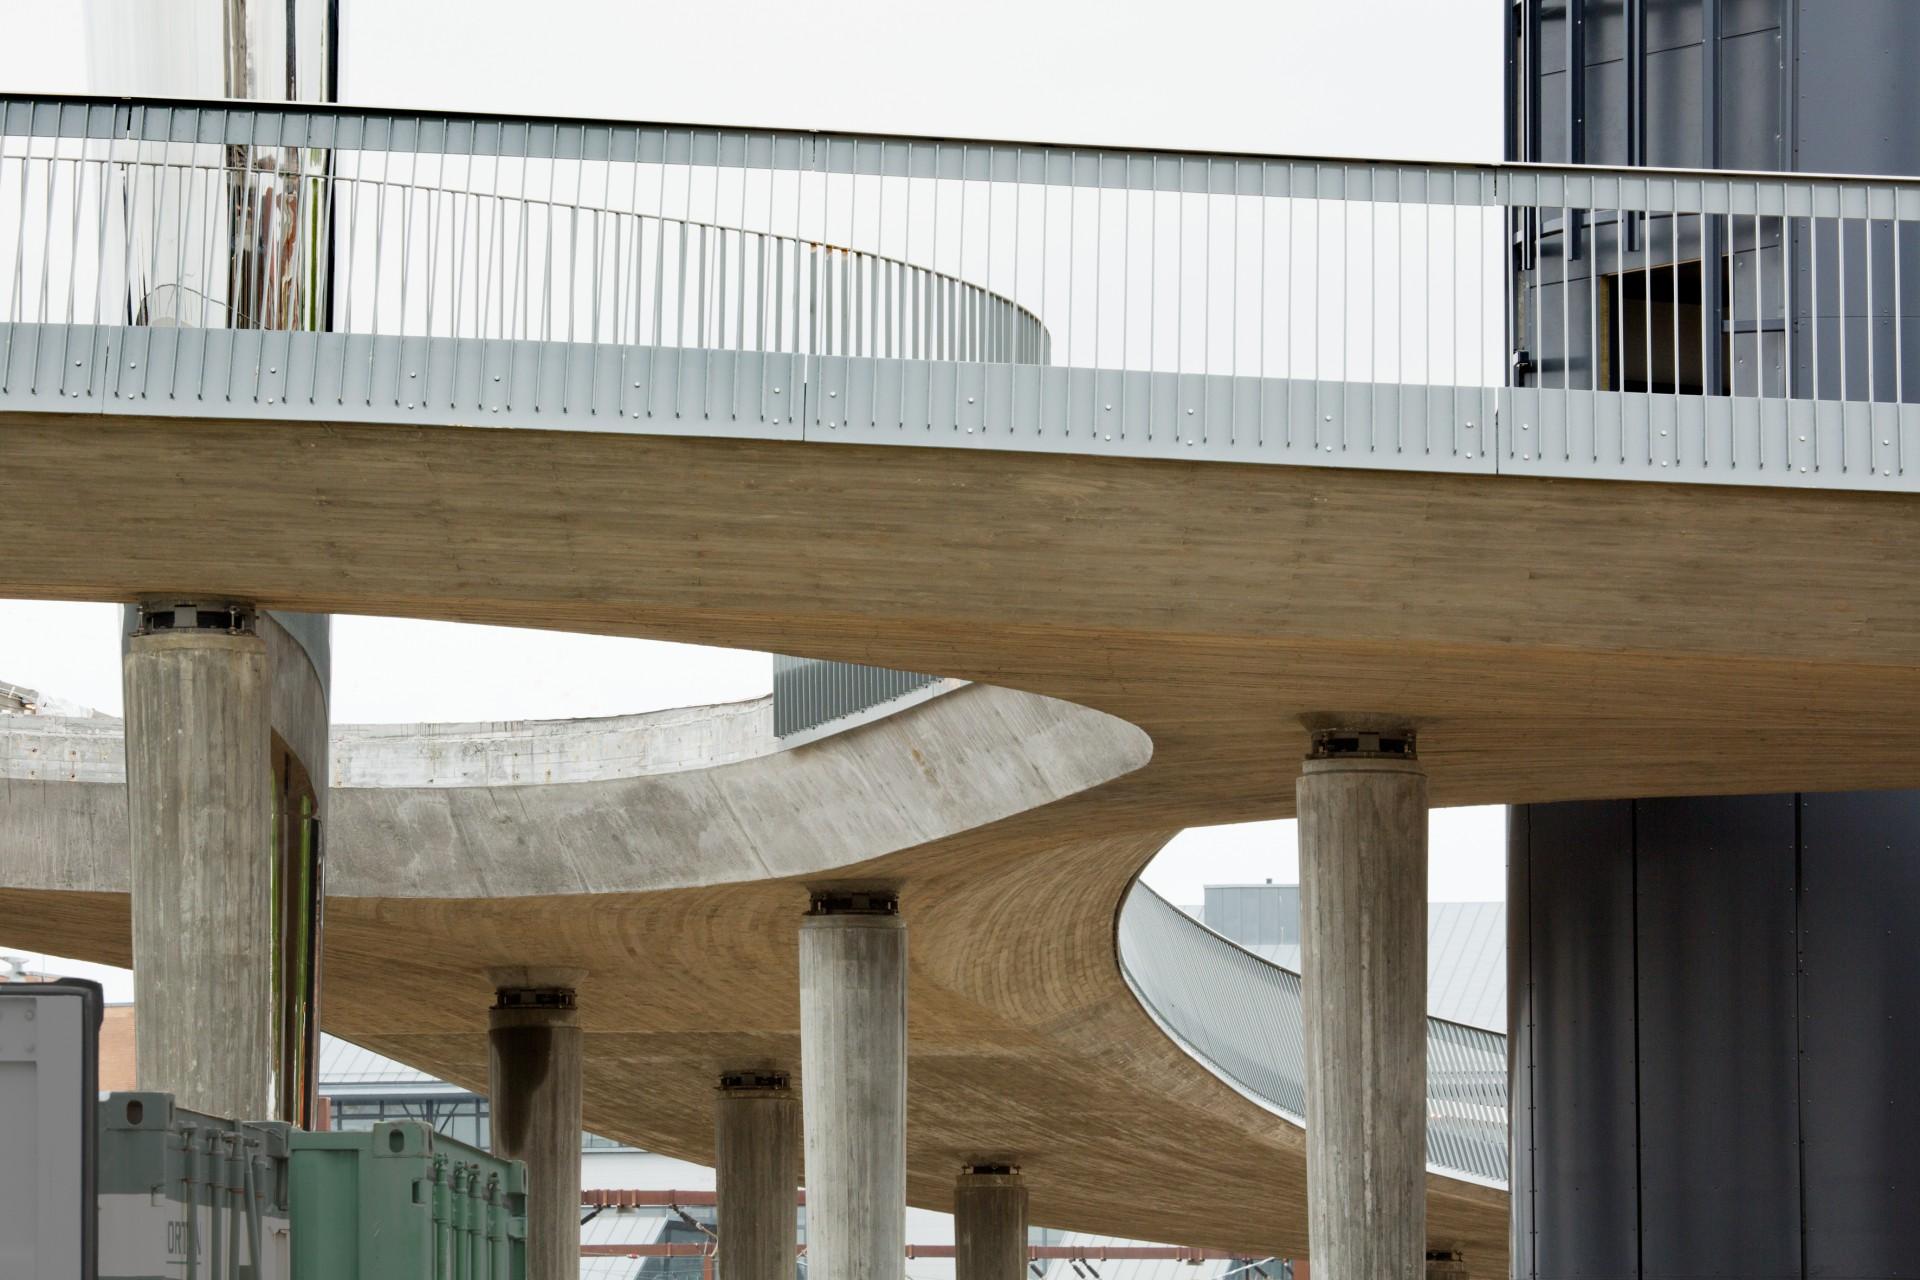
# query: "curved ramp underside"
{"type": "Point", "coordinates": [1026, 1040]}
{"type": "Point", "coordinates": [1241, 1015]}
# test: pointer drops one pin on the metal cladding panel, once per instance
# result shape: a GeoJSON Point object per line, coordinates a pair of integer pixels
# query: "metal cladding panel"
{"type": "Point", "coordinates": [49, 1048]}
{"type": "Point", "coordinates": [1857, 93]}
{"type": "Point", "coordinates": [1522, 1188]}
{"type": "Point", "coordinates": [1716, 959]}
{"type": "Point", "coordinates": [1751, 82]}
{"type": "Point", "coordinates": [1775, 991]}
{"type": "Point", "coordinates": [1673, 105]}
{"type": "Point", "coordinates": [1751, 129]}
{"type": "Point", "coordinates": [314, 634]}
{"type": "Point", "coordinates": [1580, 943]}
{"type": "Point", "coordinates": [1861, 1029]}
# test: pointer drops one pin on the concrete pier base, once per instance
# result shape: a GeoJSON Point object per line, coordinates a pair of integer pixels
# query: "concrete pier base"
{"type": "Point", "coordinates": [1362, 801]}
{"type": "Point", "coordinates": [756, 1164]}
{"type": "Point", "coordinates": [990, 1223]}
{"type": "Point", "coordinates": [534, 1064]}
{"type": "Point", "coordinates": [199, 825]}
{"type": "Point", "coordinates": [853, 1045]}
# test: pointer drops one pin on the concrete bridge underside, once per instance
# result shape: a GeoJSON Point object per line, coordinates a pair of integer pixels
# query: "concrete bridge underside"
{"type": "Point", "coordinates": [1025, 1041]}
{"type": "Point", "coordinates": [1554, 639]}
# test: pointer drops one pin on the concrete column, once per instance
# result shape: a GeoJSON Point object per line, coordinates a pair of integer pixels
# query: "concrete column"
{"type": "Point", "coordinates": [534, 1057]}
{"type": "Point", "coordinates": [756, 1165]}
{"type": "Point", "coordinates": [990, 1223]}
{"type": "Point", "coordinates": [199, 825]}
{"type": "Point", "coordinates": [1362, 801]}
{"type": "Point", "coordinates": [853, 1052]}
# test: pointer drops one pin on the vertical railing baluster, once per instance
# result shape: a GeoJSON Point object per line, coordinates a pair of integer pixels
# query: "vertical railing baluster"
{"type": "Point", "coordinates": [1840, 236]}
{"type": "Point", "coordinates": [1899, 340]}
{"type": "Point", "coordinates": [1788, 354]}
{"type": "Point", "coordinates": [1866, 228]}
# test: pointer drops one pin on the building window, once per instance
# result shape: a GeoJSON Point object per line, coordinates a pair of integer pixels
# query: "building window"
{"type": "Point", "coordinates": [594, 1142]}
{"type": "Point", "coordinates": [462, 1117]}
{"type": "Point", "coordinates": [1651, 322]}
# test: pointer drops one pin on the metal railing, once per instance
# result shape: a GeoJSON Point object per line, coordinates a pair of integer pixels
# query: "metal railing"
{"type": "Point", "coordinates": [815, 698]}
{"type": "Point", "coordinates": [1628, 323]}
{"type": "Point", "coordinates": [155, 218]}
{"type": "Point", "coordinates": [1240, 1016]}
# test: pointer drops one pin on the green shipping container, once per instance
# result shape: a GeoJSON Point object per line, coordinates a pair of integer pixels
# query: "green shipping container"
{"type": "Point", "coordinates": [401, 1202]}
{"type": "Point", "coordinates": [184, 1194]}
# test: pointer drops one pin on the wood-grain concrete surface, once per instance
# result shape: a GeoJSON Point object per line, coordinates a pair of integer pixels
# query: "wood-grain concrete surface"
{"type": "Point", "coordinates": [1553, 639]}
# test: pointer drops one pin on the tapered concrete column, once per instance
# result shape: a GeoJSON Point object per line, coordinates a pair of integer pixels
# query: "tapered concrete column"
{"type": "Point", "coordinates": [756, 1165]}
{"type": "Point", "coordinates": [1362, 801]}
{"type": "Point", "coordinates": [990, 1223]}
{"type": "Point", "coordinates": [853, 1053]}
{"type": "Point", "coordinates": [199, 826]}
{"type": "Point", "coordinates": [534, 1056]}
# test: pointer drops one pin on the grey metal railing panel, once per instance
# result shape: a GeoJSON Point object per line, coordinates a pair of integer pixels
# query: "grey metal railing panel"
{"type": "Point", "coordinates": [540, 272]}
{"type": "Point", "coordinates": [332, 377]}
{"type": "Point", "coordinates": [811, 694]}
{"type": "Point", "coordinates": [1139, 414]}
{"type": "Point", "coordinates": [1828, 444]}
{"type": "Point", "coordinates": [1241, 1017]}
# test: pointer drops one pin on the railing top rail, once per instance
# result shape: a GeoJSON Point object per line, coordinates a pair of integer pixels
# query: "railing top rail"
{"type": "Point", "coordinates": [557, 136]}
{"type": "Point", "coordinates": [487, 134]}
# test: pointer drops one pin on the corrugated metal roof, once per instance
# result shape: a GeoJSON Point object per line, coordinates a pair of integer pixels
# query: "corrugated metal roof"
{"type": "Point", "coordinates": [1466, 962]}
{"type": "Point", "coordinates": [343, 1065]}
{"type": "Point", "coordinates": [629, 1226]}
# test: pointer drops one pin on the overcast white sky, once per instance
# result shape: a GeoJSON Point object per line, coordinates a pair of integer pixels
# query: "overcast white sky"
{"type": "Point", "coordinates": [1412, 79]}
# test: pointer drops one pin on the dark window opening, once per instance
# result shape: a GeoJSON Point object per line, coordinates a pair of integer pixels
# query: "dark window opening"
{"type": "Point", "coordinates": [1652, 325]}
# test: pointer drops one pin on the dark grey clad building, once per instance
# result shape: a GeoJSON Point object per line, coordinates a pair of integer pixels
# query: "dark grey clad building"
{"type": "Point", "coordinates": [1713, 1000]}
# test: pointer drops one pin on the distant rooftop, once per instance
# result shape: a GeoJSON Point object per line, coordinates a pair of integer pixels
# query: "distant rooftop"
{"type": "Point", "coordinates": [1466, 945]}
{"type": "Point", "coordinates": [345, 1066]}
{"type": "Point", "coordinates": [18, 700]}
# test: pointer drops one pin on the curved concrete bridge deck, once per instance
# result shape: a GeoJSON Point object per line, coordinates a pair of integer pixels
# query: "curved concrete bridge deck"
{"type": "Point", "coordinates": [1733, 628]}
{"type": "Point", "coordinates": [1746, 626]}
{"type": "Point", "coordinates": [667, 853]}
